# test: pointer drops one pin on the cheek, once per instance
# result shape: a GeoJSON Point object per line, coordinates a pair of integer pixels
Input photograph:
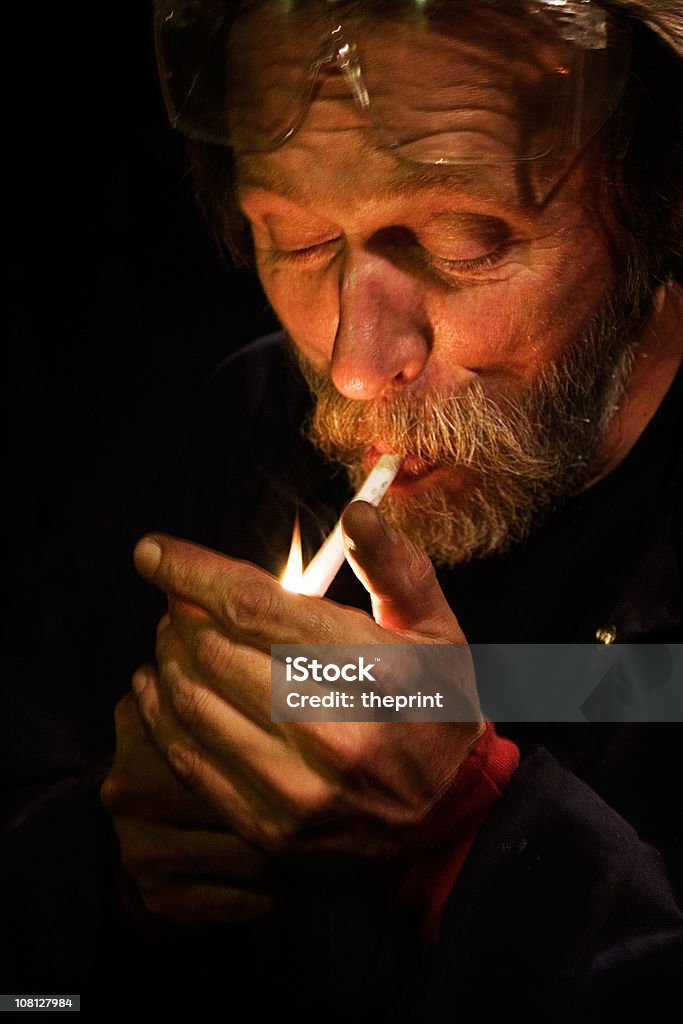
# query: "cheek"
{"type": "Point", "coordinates": [522, 324]}
{"type": "Point", "coordinates": [307, 306]}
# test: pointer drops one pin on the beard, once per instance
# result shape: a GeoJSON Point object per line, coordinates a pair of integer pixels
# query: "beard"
{"type": "Point", "coordinates": [514, 455]}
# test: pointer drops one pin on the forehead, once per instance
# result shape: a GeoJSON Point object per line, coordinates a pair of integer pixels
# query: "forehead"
{"type": "Point", "coordinates": [434, 86]}
{"type": "Point", "coordinates": [354, 174]}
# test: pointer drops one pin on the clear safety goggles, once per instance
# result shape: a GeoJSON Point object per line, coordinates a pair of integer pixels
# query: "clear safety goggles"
{"type": "Point", "coordinates": [523, 82]}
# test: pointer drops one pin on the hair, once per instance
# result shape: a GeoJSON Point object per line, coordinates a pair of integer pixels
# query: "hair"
{"type": "Point", "coordinates": [643, 174]}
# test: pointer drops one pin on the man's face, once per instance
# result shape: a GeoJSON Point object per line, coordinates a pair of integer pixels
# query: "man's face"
{"type": "Point", "coordinates": [439, 315]}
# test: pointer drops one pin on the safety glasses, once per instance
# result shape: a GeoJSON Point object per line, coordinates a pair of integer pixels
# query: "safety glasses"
{"type": "Point", "coordinates": [453, 82]}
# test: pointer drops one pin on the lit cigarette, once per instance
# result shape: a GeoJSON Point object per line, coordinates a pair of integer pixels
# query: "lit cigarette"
{"type": "Point", "coordinates": [325, 565]}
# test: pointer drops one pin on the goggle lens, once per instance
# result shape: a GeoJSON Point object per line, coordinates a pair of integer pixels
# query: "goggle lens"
{"type": "Point", "coordinates": [501, 88]}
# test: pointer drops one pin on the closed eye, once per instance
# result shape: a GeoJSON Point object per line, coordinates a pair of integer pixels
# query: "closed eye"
{"type": "Point", "coordinates": [470, 266]}
{"type": "Point", "coordinates": [308, 255]}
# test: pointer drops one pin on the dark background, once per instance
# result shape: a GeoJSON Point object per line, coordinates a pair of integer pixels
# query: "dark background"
{"type": "Point", "coordinates": [119, 302]}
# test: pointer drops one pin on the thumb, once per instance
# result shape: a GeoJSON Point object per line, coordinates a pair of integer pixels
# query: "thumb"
{"type": "Point", "coordinates": [399, 576]}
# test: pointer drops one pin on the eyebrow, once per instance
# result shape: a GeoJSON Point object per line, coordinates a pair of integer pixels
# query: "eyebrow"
{"type": "Point", "coordinates": [411, 179]}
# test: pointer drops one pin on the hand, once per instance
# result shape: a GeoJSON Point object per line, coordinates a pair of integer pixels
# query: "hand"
{"type": "Point", "coordinates": [354, 788]}
{"type": "Point", "coordinates": [185, 868]}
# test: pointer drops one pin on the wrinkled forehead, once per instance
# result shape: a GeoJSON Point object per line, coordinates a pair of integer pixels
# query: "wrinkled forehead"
{"type": "Point", "coordinates": [465, 89]}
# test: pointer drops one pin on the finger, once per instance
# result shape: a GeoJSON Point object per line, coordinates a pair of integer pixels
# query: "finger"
{"type": "Point", "coordinates": [294, 768]}
{"type": "Point", "coordinates": [246, 602]}
{"type": "Point", "coordinates": [198, 904]}
{"type": "Point", "coordinates": [240, 674]}
{"type": "Point", "coordinates": [141, 784]}
{"type": "Point", "coordinates": [127, 722]}
{"type": "Point", "coordinates": [399, 577]}
{"type": "Point", "coordinates": [264, 785]}
{"type": "Point", "coordinates": [218, 709]}
{"type": "Point", "coordinates": [224, 759]}
{"type": "Point", "coordinates": [151, 850]}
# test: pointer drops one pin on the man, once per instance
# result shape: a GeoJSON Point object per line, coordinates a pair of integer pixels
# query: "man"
{"type": "Point", "coordinates": [437, 202]}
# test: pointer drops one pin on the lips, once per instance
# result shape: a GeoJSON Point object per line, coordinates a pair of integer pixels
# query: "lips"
{"type": "Point", "coordinates": [413, 469]}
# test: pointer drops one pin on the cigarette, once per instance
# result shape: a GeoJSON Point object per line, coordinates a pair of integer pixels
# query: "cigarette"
{"type": "Point", "coordinates": [325, 565]}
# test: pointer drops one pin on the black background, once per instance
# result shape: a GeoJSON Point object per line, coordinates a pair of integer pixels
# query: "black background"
{"type": "Point", "coordinates": [119, 301]}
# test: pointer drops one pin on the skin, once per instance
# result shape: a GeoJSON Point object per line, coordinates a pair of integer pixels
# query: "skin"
{"type": "Point", "coordinates": [386, 282]}
{"type": "Point", "coordinates": [385, 278]}
{"type": "Point", "coordinates": [356, 789]}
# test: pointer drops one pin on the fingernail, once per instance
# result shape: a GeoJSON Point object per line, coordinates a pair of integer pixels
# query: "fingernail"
{"type": "Point", "coordinates": [147, 556]}
{"type": "Point", "coordinates": [139, 681]}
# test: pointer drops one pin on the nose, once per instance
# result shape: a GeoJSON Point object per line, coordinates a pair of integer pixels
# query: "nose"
{"type": "Point", "coordinates": [383, 337]}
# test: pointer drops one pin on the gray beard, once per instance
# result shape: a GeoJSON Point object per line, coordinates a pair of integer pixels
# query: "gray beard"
{"type": "Point", "coordinates": [523, 452]}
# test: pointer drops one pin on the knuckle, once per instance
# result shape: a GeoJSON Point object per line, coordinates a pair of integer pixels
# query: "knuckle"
{"type": "Point", "coordinates": [185, 762]}
{"type": "Point", "coordinates": [311, 802]}
{"type": "Point", "coordinates": [300, 807]}
{"type": "Point", "coordinates": [401, 674]}
{"type": "Point", "coordinates": [274, 837]}
{"type": "Point", "coordinates": [420, 568]}
{"type": "Point", "coordinates": [187, 700]}
{"type": "Point", "coordinates": [124, 713]}
{"type": "Point", "coordinates": [162, 628]}
{"type": "Point", "coordinates": [367, 751]}
{"type": "Point", "coordinates": [148, 707]}
{"type": "Point", "coordinates": [347, 748]}
{"type": "Point", "coordinates": [254, 604]}
{"type": "Point", "coordinates": [212, 651]}
{"type": "Point", "coordinates": [268, 833]}
{"type": "Point", "coordinates": [348, 751]}
{"type": "Point", "coordinates": [157, 902]}
{"type": "Point", "coordinates": [109, 793]}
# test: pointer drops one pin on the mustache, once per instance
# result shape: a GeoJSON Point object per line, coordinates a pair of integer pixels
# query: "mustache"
{"type": "Point", "coordinates": [542, 430]}
{"type": "Point", "coordinates": [468, 428]}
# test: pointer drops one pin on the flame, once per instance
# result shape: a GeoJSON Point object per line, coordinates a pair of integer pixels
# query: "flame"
{"type": "Point", "coordinates": [294, 570]}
